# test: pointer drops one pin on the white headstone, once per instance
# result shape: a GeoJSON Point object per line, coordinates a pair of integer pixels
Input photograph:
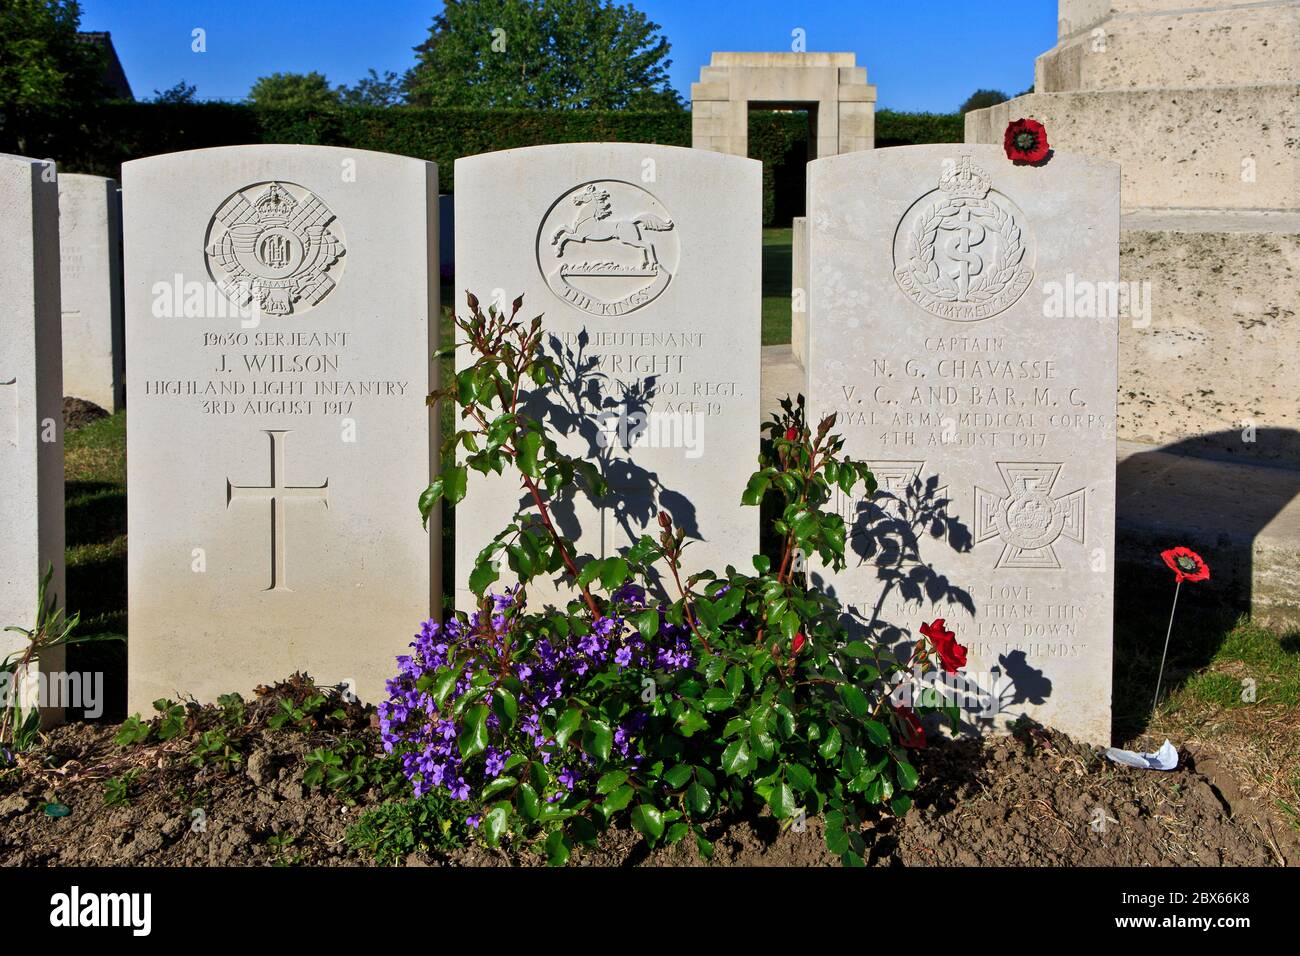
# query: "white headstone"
{"type": "Point", "coordinates": [644, 262]}
{"type": "Point", "coordinates": [962, 329]}
{"type": "Point", "coordinates": [279, 301]}
{"type": "Point", "coordinates": [90, 246]}
{"type": "Point", "coordinates": [31, 400]}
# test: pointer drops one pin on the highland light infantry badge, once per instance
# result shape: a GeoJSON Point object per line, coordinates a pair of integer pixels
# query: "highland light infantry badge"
{"type": "Point", "coordinates": [273, 243]}
{"type": "Point", "coordinates": [962, 252]}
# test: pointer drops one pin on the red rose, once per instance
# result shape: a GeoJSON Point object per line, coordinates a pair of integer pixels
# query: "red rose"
{"type": "Point", "coordinates": [951, 654]}
{"type": "Point", "coordinates": [911, 733]}
{"type": "Point", "coordinates": [791, 433]}
{"type": "Point", "coordinates": [798, 643]}
{"type": "Point", "coordinates": [1025, 141]}
{"type": "Point", "coordinates": [665, 522]}
{"type": "Point", "coordinates": [1186, 564]}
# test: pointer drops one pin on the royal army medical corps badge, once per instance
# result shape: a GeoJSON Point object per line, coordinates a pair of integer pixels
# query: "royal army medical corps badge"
{"type": "Point", "coordinates": [274, 243]}
{"type": "Point", "coordinates": [607, 248]}
{"type": "Point", "coordinates": [963, 251]}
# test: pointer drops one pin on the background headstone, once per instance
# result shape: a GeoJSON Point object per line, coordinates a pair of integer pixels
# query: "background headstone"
{"type": "Point", "coordinates": [31, 398]}
{"type": "Point", "coordinates": [962, 329]}
{"type": "Point", "coordinates": [90, 247]}
{"type": "Point", "coordinates": [644, 262]}
{"type": "Point", "coordinates": [279, 301]}
{"type": "Point", "coordinates": [799, 289]}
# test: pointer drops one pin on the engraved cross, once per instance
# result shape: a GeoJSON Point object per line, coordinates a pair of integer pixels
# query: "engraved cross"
{"type": "Point", "coordinates": [277, 492]}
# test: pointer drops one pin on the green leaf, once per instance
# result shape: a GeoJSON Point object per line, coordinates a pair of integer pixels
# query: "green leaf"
{"type": "Point", "coordinates": [557, 849]}
{"type": "Point", "coordinates": [613, 574]}
{"type": "Point", "coordinates": [495, 822]}
{"type": "Point", "coordinates": [567, 725]}
{"type": "Point", "coordinates": [831, 744]}
{"type": "Point", "coordinates": [755, 489]}
{"type": "Point", "coordinates": [474, 734]}
{"type": "Point", "coordinates": [735, 759]}
{"type": "Point", "coordinates": [782, 800]}
{"type": "Point", "coordinates": [698, 799]}
{"type": "Point", "coordinates": [610, 781]}
{"type": "Point", "coordinates": [854, 700]}
{"type": "Point", "coordinates": [443, 684]}
{"type": "Point", "coordinates": [529, 805]}
{"type": "Point", "coordinates": [906, 775]}
{"type": "Point", "coordinates": [619, 799]}
{"type": "Point", "coordinates": [857, 649]}
{"type": "Point", "coordinates": [498, 785]}
{"type": "Point", "coordinates": [481, 577]}
{"type": "Point", "coordinates": [649, 821]}
{"type": "Point", "coordinates": [691, 722]}
{"type": "Point", "coordinates": [717, 698]}
{"type": "Point", "coordinates": [677, 777]}
{"type": "Point", "coordinates": [526, 453]}
{"type": "Point", "coordinates": [647, 623]}
{"type": "Point", "coordinates": [599, 739]}
{"type": "Point", "coordinates": [878, 733]}
{"type": "Point", "coordinates": [453, 483]}
{"type": "Point", "coordinates": [505, 706]}
{"type": "Point", "coordinates": [429, 497]}
{"type": "Point", "coordinates": [900, 805]}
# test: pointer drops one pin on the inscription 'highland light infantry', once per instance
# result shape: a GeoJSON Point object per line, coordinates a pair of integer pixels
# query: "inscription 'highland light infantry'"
{"type": "Point", "coordinates": [964, 255]}
{"type": "Point", "coordinates": [273, 248]}
{"type": "Point", "coordinates": [635, 268]}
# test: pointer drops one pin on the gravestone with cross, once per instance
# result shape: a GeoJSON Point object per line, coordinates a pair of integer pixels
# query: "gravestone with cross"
{"type": "Point", "coordinates": [31, 417]}
{"type": "Point", "coordinates": [990, 424]}
{"type": "Point", "coordinates": [644, 262]}
{"type": "Point", "coordinates": [280, 302]}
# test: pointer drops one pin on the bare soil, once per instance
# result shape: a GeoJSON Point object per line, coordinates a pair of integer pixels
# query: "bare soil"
{"type": "Point", "coordinates": [1036, 799]}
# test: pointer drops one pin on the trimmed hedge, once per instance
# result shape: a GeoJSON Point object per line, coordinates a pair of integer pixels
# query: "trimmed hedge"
{"type": "Point", "coordinates": [114, 133]}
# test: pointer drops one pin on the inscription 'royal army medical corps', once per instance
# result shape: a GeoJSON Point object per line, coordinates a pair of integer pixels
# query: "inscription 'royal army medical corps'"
{"type": "Point", "coordinates": [607, 248]}
{"type": "Point", "coordinates": [964, 254]}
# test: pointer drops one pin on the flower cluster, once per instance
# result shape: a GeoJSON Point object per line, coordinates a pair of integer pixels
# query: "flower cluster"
{"type": "Point", "coordinates": [544, 674]}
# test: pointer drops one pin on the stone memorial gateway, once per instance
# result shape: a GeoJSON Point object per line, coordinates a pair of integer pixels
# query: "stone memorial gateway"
{"type": "Point", "coordinates": [90, 241]}
{"type": "Point", "coordinates": [644, 262]}
{"type": "Point", "coordinates": [31, 420]}
{"type": "Point", "coordinates": [963, 328]}
{"type": "Point", "coordinates": [279, 301]}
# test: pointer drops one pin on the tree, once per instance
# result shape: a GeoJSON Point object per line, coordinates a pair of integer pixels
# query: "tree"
{"type": "Point", "coordinates": [44, 66]}
{"type": "Point", "coordinates": [374, 90]}
{"type": "Point", "coordinates": [182, 92]}
{"type": "Point", "coordinates": [293, 89]}
{"type": "Point", "coordinates": [982, 98]}
{"type": "Point", "coordinates": [546, 54]}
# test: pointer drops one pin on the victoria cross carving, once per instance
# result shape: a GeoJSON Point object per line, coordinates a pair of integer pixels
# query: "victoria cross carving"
{"type": "Point", "coordinates": [277, 491]}
{"type": "Point", "coordinates": [1026, 516]}
{"type": "Point", "coordinates": [963, 251]}
{"type": "Point", "coordinates": [607, 248]}
{"type": "Point", "coordinates": [276, 244]}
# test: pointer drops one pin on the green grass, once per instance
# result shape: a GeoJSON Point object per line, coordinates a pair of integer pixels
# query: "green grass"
{"type": "Point", "coordinates": [776, 286]}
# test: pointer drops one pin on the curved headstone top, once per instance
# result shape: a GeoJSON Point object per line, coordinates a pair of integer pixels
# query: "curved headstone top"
{"type": "Point", "coordinates": [280, 310]}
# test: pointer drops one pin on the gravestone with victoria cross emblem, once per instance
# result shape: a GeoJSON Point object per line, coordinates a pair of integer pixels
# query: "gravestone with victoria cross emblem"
{"type": "Point", "coordinates": [279, 301]}
{"type": "Point", "coordinates": [31, 397]}
{"type": "Point", "coordinates": [644, 263]}
{"type": "Point", "coordinates": [963, 329]}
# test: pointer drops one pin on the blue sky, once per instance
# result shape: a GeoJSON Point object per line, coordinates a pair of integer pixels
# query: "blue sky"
{"type": "Point", "coordinates": [920, 54]}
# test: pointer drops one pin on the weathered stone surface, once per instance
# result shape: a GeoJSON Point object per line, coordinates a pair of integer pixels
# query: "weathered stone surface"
{"type": "Point", "coordinates": [279, 301]}
{"type": "Point", "coordinates": [799, 288]}
{"type": "Point", "coordinates": [942, 338]}
{"type": "Point", "coordinates": [90, 247]}
{"type": "Point", "coordinates": [653, 302]}
{"type": "Point", "coordinates": [828, 84]}
{"type": "Point", "coordinates": [31, 398]}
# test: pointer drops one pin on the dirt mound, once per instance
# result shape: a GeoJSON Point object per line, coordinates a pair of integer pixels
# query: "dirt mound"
{"type": "Point", "coordinates": [1035, 799]}
{"type": "Point", "coordinates": [78, 412]}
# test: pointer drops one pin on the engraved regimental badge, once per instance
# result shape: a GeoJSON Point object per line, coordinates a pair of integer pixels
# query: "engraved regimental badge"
{"type": "Point", "coordinates": [607, 248]}
{"type": "Point", "coordinates": [962, 251]}
{"type": "Point", "coordinates": [274, 243]}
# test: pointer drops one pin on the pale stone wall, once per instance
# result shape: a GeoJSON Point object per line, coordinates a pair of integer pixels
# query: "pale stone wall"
{"type": "Point", "coordinates": [830, 83]}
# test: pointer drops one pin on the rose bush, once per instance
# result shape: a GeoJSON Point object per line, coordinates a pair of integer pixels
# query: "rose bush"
{"type": "Point", "coordinates": [653, 695]}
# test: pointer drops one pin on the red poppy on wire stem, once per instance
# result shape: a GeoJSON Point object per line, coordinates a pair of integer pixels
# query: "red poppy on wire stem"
{"type": "Point", "coordinates": [1025, 142]}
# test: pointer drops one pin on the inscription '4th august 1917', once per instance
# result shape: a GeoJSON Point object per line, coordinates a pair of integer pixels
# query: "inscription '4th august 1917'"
{"type": "Point", "coordinates": [277, 492]}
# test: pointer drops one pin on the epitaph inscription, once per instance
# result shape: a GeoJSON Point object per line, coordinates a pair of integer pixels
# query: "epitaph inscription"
{"type": "Point", "coordinates": [274, 243]}
{"type": "Point", "coordinates": [607, 248]}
